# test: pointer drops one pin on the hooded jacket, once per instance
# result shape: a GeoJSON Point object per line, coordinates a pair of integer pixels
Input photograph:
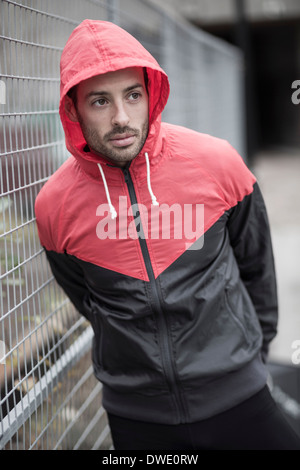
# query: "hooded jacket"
{"type": "Point", "coordinates": [182, 319]}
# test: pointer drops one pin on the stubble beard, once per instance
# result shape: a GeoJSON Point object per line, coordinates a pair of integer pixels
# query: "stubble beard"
{"type": "Point", "coordinates": [119, 155]}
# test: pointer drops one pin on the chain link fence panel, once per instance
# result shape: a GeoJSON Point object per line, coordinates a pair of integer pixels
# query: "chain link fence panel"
{"type": "Point", "coordinates": [49, 398]}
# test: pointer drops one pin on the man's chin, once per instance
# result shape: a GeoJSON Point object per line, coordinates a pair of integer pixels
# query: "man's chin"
{"type": "Point", "coordinates": [120, 158]}
{"type": "Point", "coordinates": [123, 154]}
{"type": "Point", "coordinates": [118, 155]}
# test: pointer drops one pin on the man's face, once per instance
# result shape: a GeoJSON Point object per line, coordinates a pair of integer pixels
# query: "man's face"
{"type": "Point", "coordinates": [112, 110]}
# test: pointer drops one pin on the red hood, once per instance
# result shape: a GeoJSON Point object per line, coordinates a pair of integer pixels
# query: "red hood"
{"type": "Point", "coordinates": [97, 47]}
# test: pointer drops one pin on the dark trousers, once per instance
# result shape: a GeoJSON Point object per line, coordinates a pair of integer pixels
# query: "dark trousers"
{"type": "Point", "coordinates": [256, 424]}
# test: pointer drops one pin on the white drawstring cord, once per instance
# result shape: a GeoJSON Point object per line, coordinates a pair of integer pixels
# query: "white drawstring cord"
{"type": "Point", "coordinates": [153, 198]}
{"type": "Point", "coordinates": [112, 210]}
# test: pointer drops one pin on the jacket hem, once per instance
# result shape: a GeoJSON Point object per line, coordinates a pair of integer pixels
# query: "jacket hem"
{"type": "Point", "coordinates": [225, 392]}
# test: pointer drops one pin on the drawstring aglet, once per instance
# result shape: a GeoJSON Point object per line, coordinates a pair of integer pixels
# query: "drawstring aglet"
{"type": "Point", "coordinates": [113, 212]}
{"type": "Point", "coordinates": [154, 201]}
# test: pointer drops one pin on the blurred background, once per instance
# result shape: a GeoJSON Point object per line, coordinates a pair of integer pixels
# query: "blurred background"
{"type": "Point", "coordinates": [233, 67]}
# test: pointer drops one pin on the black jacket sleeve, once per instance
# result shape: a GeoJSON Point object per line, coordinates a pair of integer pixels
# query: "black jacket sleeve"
{"type": "Point", "coordinates": [70, 277]}
{"type": "Point", "coordinates": [250, 238]}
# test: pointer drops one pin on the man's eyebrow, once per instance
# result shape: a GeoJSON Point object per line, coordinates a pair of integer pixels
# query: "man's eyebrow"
{"type": "Point", "coordinates": [107, 93]}
{"type": "Point", "coordinates": [136, 85]}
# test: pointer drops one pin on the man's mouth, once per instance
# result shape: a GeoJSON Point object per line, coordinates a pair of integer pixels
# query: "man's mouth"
{"type": "Point", "coordinates": [122, 140]}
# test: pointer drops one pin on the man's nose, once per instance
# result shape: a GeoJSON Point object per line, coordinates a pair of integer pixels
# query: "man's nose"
{"type": "Point", "coordinates": [120, 116]}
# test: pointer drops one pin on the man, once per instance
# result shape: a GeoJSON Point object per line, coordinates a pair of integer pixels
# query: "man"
{"type": "Point", "coordinates": [182, 327]}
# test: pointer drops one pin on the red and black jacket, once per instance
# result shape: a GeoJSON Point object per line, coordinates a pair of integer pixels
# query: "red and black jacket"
{"type": "Point", "coordinates": [182, 320]}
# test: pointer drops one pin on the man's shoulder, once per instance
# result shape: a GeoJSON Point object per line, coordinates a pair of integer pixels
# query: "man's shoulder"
{"type": "Point", "coordinates": [50, 198]}
{"type": "Point", "coordinates": [59, 182]}
{"type": "Point", "coordinates": [195, 141]}
{"type": "Point", "coordinates": [207, 150]}
{"type": "Point", "coordinates": [50, 201]}
{"type": "Point", "coordinates": [213, 158]}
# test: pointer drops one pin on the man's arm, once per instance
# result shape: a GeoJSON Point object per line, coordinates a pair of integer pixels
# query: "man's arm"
{"type": "Point", "coordinates": [70, 277]}
{"type": "Point", "coordinates": [250, 238]}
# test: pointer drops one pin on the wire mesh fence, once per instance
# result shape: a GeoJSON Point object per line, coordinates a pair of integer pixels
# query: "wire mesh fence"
{"type": "Point", "coordinates": [49, 396]}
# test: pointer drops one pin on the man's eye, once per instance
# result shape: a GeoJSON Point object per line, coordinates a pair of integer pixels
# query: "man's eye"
{"type": "Point", "coordinates": [100, 102]}
{"type": "Point", "coordinates": [134, 96]}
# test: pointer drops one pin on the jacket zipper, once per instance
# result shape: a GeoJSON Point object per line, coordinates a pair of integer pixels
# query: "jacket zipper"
{"type": "Point", "coordinates": [157, 307]}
